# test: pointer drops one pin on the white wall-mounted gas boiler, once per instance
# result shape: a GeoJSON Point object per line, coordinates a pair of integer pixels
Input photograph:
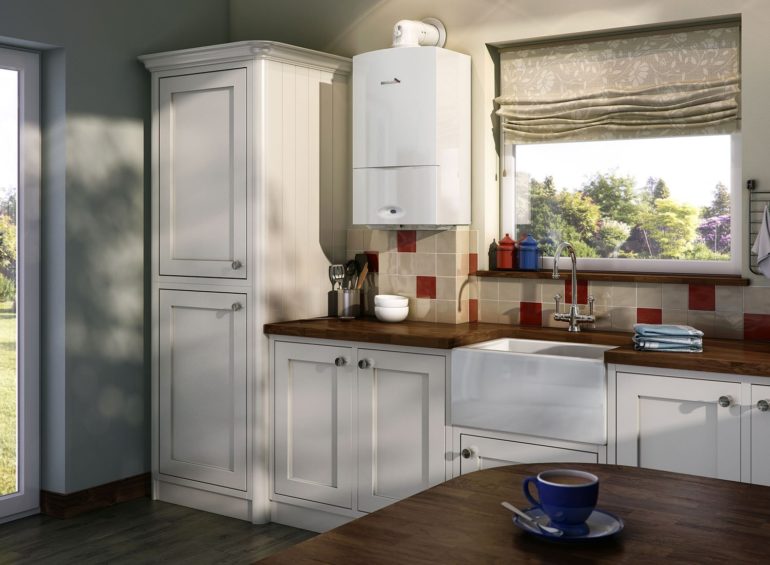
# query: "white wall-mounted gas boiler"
{"type": "Point", "coordinates": [411, 137]}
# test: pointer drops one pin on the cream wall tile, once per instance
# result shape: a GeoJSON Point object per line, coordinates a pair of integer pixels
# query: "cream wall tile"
{"type": "Point", "coordinates": [462, 241]}
{"type": "Point", "coordinates": [547, 320]}
{"type": "Point", "coordinates": [674, 316]}
{"type": "Point", "coordinates": [508, 312]}
{"type": "Point", "coordinates": [473, 287]}
{"type": "Point", "coordinates": [601, 291]}
{"type": "Point", "coordinates": [623, 319]}
{"type": "Point", "coordinates": [473, 241]}
{"type": "Point", "coordinates": [446, 264]}
{"type": "Point", "coordinates": [756, 300]}
{"type": "Point", "coordinates": [417, 264]}
{"type": "Point", "coordinates": [463, 286]}
{"type": "Point", "coordinates": [462, 264]}
{"type": "Point", "coordinates": [388, 263]}
{"type": "Point", "coordinates": [426, 241]}
{"type": "Point", "coordinates": [463, 315]}
{"type": "Point", "coordinates": [376, 240]}
{"type": "Point", "coordinates": [489, 289]}
{"type": "Point", "coordinates": [649, 295]}
{"type": "Point", "coordinates": [675, 297]}
{"type": "Point", "coordinates": [603, 318]}
{"type": "Point", "coordinates": [387, 284]}
{"type": "Point", "coordinates": [702, 320]}
{"type": "Point", "coordinates": [623, 295]}
{"type": "Point", "coordinates": [510, 290]}
{"type": "Point", "coordinates": [728, 325]}
{"type": "Point", "coordinates": [489, 311]}
{"type": "Point", "coordinates": [355, 241]}
{"type": "Point", "coordinates": [729, 299]}
{"type": "Point", "coordinates": [446, 288]}
{"type": "Point", "coordinates": [446, 242]}
{"type": "Point", "coordinates": [549, 289]}
{"type": "Point", "coordinates": [405, 285]}
{"type": "Point", "coordinates": [530, 290]}
{"type": "Point", "coordinates": [446, 311]}
{"type": "Point", "coordinates": [422, 310]}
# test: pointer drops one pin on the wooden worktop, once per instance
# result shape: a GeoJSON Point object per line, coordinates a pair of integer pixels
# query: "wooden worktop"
{"type": "Point", "coordinates": [719, 355]}
{"type": "Point", "coordinates": [669, 518]}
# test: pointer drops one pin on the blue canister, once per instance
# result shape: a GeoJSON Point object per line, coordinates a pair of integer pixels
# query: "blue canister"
{"type": "Point", "coordinates": [529, 254]}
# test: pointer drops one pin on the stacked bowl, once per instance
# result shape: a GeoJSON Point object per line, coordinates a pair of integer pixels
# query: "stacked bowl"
{"type": "Point", "coordinates": [391, 307]}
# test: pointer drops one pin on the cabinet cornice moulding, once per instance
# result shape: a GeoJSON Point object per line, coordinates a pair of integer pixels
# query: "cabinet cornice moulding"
{"type": "Point", "coordinates": [246, 51]}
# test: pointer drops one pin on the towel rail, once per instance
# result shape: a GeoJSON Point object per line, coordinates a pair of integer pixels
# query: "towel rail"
{"type": "Point", "coordinates": [758, 199]}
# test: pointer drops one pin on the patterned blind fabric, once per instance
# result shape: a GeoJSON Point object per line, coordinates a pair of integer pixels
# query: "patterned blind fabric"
{"type": "Point", "coordinates": [666, 84]}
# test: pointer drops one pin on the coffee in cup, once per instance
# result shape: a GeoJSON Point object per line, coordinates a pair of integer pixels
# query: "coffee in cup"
{"type": "Point", "coordinates": [567, 497]}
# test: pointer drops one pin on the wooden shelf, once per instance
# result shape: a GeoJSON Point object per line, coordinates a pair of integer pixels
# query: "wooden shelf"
{"type": "Point", "coordinates": [669, 278]}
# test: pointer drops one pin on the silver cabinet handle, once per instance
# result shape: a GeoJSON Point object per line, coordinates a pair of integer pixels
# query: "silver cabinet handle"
{"type": "Point", "coordinates": [340, 361]}
{"type": "Point", "coordinates": [236, 265]}
{"type": "Point", "coordinates": [236, 306]}
{"type": "Point", "coordinates": [365, 364]}
{"type": "Point", "coordinates": [763, 406]}
{"type": "Point", "coordinates": [725, 401]}
{"type": "Point", "coordinates": [469, 452]}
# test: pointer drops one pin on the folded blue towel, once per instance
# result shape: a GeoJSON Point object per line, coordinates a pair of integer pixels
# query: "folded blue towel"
{"type": "Point", "coordinates": [666, 330]}
{"type": "Point", "coordinates": [655, 346]}
{"type": "Point", "coordinates": [683, 341]}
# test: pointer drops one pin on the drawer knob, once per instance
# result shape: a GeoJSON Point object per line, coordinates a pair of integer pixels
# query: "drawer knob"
{"type": "Point", "coordinates": [763, 406]}
{"type": "Point", "coordinates": [365, 364]}
{"type": "Point", "coordinates": [469, 452]}
{"type": "Point", "coordinates": [340, 361]}
{"type": "Point", "coordinates": [725, 401]}
{"type": "Point", "coordinates": [236, 306]}
{"type": "Point", "coordinates": [236, 265]}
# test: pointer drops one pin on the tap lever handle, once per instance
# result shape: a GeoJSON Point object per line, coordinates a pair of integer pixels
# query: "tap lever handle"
{"type": "Point", "coordinates": [557, 299]}
{"type": "Point", "coordinates": [591, 300]}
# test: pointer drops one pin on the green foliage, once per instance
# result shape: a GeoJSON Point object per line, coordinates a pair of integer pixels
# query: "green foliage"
{"type": "Point", "coordinates": [720, 204]}
{"type": "Point", "coordinates": [615, 197]}
{"type": "Point", "coordinates": [7, 289]}
{"type": "Point", "coordinates": [701, 252]}
{"type": "Point", "coordinates": [672, 226]}
{"type": "Point", "coordinates": [610, 235]}
{"type": "Point", "coordinates": [579, 213]}
{"type": "Point", "coordinates": [7, 246]}
{"type": "Point", "coordinates": [7, 400]}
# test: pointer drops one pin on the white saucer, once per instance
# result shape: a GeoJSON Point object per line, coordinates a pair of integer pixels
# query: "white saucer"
{"type": "Point", "coordinates": [600, 524]}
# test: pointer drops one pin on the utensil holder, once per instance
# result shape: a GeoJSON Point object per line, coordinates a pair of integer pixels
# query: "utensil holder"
{"type": "Point", "coordinates": [349, 303]}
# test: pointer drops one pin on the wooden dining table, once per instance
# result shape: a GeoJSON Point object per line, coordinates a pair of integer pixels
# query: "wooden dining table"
{"type": "Point", "coordinates": [669, 518]}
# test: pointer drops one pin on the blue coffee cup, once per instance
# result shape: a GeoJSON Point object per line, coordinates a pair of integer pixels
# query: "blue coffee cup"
{"type": "Point", "coordinates": [566, 496]}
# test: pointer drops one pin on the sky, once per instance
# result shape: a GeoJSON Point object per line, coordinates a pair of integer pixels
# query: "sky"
{"type": "Point", "coordinates": [8, 128]}
{"type": "Point", "coordinates": [690, 166]}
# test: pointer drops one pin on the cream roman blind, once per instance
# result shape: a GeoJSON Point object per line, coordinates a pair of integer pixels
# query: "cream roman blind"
{"type": "Point", "coordinates": [684, 82]}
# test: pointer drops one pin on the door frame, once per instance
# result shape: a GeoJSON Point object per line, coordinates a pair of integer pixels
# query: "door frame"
{"type": "Point", "coordinates": [27, 498]}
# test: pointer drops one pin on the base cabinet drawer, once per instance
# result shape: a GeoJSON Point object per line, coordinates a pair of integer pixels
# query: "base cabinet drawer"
{"type": "Point", "coordinates": [478, 453]}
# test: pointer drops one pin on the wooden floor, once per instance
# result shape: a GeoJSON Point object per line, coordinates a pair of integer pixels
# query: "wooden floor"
{"type": "Point", "coordinates": [142, 531]}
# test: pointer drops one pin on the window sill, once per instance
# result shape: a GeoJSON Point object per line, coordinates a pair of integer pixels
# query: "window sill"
{"type": "Point", "coordinates": [668, 278]}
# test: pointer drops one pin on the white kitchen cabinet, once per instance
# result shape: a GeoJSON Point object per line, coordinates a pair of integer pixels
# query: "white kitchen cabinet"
{"type": "Point", "coordinates": [685, 425]}
{"type": "Point", "coordinates": [203, 172]}
{"type": "Point", "coordinates": [250, 181]}
{"type": "Point", "coordinates": [478, 453]}
{"type": "Point", "coordinates": [760, 434]}
{"type": "Point", "coordinates": [313, 423]}
{"type": "Point", "coordinates": [400, 425]}
{"type": "Point", "coordinates": [203, 387]}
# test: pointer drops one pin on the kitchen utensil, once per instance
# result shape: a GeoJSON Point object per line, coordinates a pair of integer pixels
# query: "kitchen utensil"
{"type": "Point", "coordinates": [391, 300]}
{"type": "Point", "coordinates": [385, 314]}
{"type": "Point", "coordinates": [331, 276]}
{"type": "Point", "coordinates": [530, 520]}
{"type": "Point", "coordinates": [600, 524]}
{"type": "Point", "coordinates": [351, 272]}
{"type": "Point", "coordinates": [362, 276]}
{"type": "Point", "coordinates": [361, 260]}
{"type": "Point", "coordinates": [337, 272]}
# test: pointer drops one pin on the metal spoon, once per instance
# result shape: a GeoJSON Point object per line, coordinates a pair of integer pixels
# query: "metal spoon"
{"type": "Point", "coordinates": [529, 519]}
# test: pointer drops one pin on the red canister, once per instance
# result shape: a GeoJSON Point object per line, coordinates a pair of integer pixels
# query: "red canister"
{"type": "Point", "coordinates": [505, 254]}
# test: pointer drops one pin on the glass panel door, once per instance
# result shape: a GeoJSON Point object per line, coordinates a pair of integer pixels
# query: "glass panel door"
{"type": "Point", "coordinates": [19, 283]}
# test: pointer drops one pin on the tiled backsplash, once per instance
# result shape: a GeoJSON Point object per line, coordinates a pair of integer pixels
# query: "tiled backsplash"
{"type": "Point", "coordinates": [436, 271]}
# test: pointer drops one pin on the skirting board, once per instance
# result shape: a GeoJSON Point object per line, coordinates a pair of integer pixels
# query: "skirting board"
{"type": "Point", "coordinates": [102, 496]}
{"type": "Point", "coordinates": [203, 500]}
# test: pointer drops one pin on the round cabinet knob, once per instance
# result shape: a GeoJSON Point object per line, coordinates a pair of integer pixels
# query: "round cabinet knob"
{"type": "Point", "coordinates": [340, 361]}
{"type": "Point", "coordinates": [469, 452]}
{"type": "Point", "coordinates": [763, 406]}
{"type": "Point", "coordinates": [236, 306]}
{"type": "Point", "coordinates": [236, 265]}
{"type": "Point", "coordinates": [725, 401]}
{"type": "Point", "coordinates": [365, 364]}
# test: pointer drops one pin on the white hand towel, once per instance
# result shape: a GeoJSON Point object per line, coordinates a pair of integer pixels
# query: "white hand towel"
{"type": "Point", "coordinates": [762, 245]}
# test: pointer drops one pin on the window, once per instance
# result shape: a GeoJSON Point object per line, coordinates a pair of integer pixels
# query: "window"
{"type": "Point", "coordinates": [626, 147]}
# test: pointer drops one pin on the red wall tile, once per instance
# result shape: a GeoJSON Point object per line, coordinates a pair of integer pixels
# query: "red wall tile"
{"type": "Point", "coordinates": [473, 310]}
{"type": "Point", "coordinates": [582, 290]}
{"type": "Point", "coordinates": [756, 326]}
{"type": "Point", "coordinates": [649, 316]}
{"type": "Point", "coordinates": [702, 297]}
{"type": "Point", "coordinates": [373, 258]}
{"type": "Point", "coordinates": [407, 241]}
{"type": "Point", "coordinates": [531, 314]}
{"type": "Point", "coordinates": [473, 263]}
{"type": "Point", "coordinates": [426, 287]}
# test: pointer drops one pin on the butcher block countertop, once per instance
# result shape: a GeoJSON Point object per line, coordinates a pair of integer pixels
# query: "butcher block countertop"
{"type": "Point", "coordinates": [718, 356]}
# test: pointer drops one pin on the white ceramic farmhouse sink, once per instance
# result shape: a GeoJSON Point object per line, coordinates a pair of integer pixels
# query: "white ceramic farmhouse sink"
{"type": "Point", "coordinates": [537, 388]}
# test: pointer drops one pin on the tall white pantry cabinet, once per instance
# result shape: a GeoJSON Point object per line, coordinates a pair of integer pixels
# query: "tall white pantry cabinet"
{"type": "Point", "coordinates": [250, 174]}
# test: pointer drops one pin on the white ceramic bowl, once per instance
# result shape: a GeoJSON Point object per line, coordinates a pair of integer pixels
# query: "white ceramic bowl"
{"type": "Point", "coordinates": [388, 314]}
{"type": "Point", "coordinates": [391, 301]}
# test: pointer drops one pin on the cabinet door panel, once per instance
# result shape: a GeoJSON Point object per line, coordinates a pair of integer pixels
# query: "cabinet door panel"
{"type": "Point", "coordinates": [203, 162]}
{"type": "Point", "coordinates": [400, 426]}
{"type": "Point", "coordinates": [203, 387]}
{"type": "Point", "coordinates": [313, 423]}
{"type": "Point", "coordinates": [487, 453]}
{"type": "Point", "coordinates": [676, 424]}
{"type": "Point", "coordinates": [760, 436]}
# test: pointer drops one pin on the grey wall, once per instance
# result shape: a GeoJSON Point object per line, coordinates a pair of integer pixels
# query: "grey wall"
{"type": "Point", "coordinates": [95, 382]}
